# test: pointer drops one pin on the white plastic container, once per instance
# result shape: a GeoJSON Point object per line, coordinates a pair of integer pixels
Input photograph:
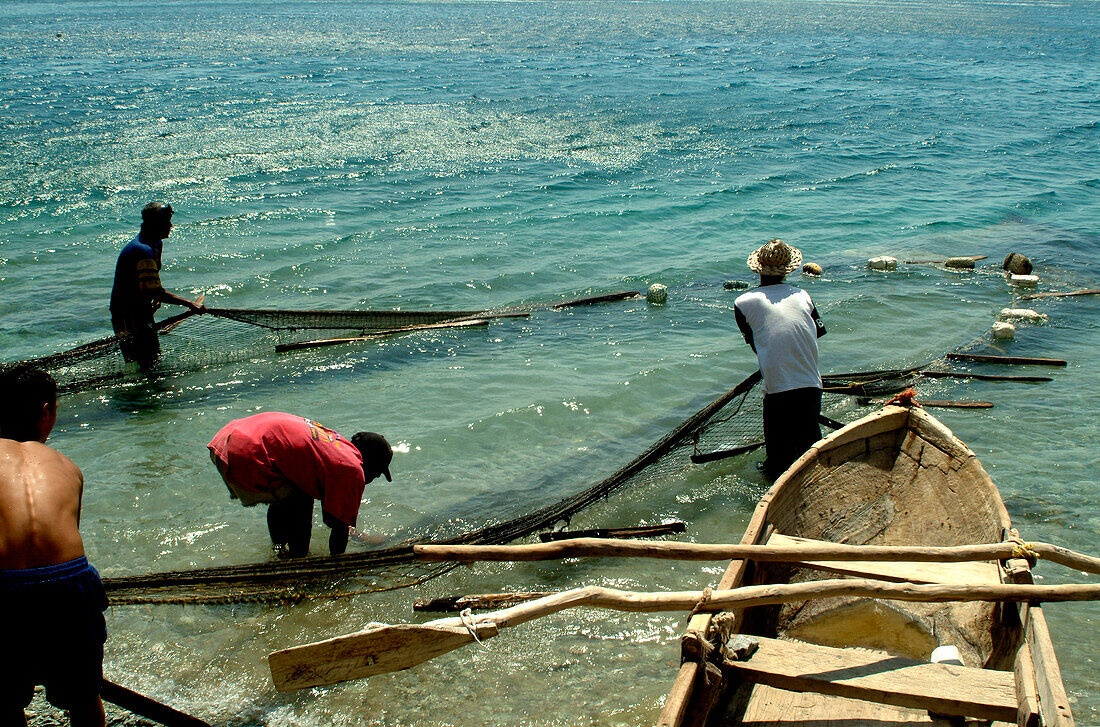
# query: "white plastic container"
{"type": "Point", "coordinates": [947, 654]}
{"type": "Point", "coordinates": [883, 262]}
{"type": "Point", "coordinates": [1024, 281]}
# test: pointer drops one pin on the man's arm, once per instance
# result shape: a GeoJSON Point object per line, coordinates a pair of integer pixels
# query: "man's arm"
{"type": "Point", "coordinates": [338, 538]}
{"type": "Point", "coordinates": [148, 280]}
{"type": "Point", "coordinates": [164, 296]}
{"type": "Point", "coordinates": [746, 329]}
{"type": "Point", "coordinates": [817, 322]}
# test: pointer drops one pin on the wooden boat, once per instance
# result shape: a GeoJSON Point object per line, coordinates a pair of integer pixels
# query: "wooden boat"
{"type": "Point", "coordinates": [896, 477]}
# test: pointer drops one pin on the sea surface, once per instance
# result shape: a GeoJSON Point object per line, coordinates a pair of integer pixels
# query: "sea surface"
{"type": "Point", "coordinates": [467, 155]}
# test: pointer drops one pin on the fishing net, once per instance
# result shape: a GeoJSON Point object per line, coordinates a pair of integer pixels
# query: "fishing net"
{"type": "Point", "coordinates": [190, 342]}
{"type": "Point", "coordinates": [726, 427]}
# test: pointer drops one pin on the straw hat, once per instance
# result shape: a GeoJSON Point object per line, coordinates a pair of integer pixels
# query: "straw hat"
{"type": "Point", "coordinates": [775, 258]}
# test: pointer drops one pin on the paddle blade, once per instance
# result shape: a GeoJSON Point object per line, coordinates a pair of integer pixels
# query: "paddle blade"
{"type": "Point", "coordinates": [375, 651]}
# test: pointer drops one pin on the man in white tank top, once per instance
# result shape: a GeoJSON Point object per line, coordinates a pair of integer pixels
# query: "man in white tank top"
{"type": "Point", "coordinates": [782, 326]}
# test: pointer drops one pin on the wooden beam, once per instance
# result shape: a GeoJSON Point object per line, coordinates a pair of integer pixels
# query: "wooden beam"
{"type": "Point", "coordinates": [608, 298]}
{"type": "Point", "coordinates": [635, 532]}
{"type": "Point", "coordinates": [1015, 360]}
{"type": "Point", "coordinates": [814, 550]}
{"type": "Point", "coordinates": [1053, 700]}
{"type": "Point", "coordinates": [983, 377]}
{"type": "Point", "coordinates": [878, 677]}
{"type": "Point", "coordinates": [1027, 695]}
{"type": "Point", "coordinates": [956, 573]}
{"type": "Point", "coordinates": [146, 707]}
{"type": "Point", "coordinates": [1089, 291]}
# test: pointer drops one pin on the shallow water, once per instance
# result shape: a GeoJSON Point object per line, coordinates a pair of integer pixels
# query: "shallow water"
{"type": "Point", "coordinates": [468, 155]}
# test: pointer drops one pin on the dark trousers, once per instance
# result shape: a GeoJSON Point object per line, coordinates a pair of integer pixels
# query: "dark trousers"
{"type": "Point", "coordinates": [790, 427]}
{"type": "Point", "coordinates": [137, 339]}
{"type": "Point", "coordinates": [290, 523]}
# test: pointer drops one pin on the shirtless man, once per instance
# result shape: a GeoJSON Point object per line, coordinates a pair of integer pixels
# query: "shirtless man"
{"type": "Point", "coordinates": [51, 599]}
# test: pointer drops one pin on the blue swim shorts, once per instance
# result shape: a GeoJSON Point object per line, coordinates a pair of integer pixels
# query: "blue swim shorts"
{"type": "Point", "coordinates": [52, 619]}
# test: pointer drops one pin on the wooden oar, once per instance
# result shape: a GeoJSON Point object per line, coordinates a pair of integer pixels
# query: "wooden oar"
{"type": "Point", "coordinates": [669, 550]}
{"type": "Point", "coordinates": [1015, 360]}
{"type": "Point", "coordinates": [385, 648]}
{"type": "Point", "coordinates": [943, 260]}
{"type": "Point", "coordinates": [143, 706]}
{"type": "Point", "coordinates": [1087, 291]}
{"type": "Point", "coordinates": [982, 377]}
{"type": "Point", "coordinates": [464, 323]}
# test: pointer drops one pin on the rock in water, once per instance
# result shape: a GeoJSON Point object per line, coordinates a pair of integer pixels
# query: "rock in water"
{"type": "Point", "coordinates": [1017, 264]}
{"type": "Point", "coordinates": [812, 269]}
{"type": "Point", "coordinates": [657, 293]}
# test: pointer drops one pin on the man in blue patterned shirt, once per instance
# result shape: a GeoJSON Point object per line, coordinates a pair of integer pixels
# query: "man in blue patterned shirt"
{"type": "Point", "coordinates": [137, 291]}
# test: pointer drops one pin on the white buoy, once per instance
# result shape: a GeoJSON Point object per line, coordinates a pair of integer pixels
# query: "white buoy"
{"type": "Point", "coordinates": [1004, 331]}
{"type": "Point", "coordinates": [883, 262]}
{"type": "Point", "coordinates": [657, 293]}
{"type": "Point", "coordinates": [1022, 314]}
{"type": "Point", "coordinates": [1024, 281]}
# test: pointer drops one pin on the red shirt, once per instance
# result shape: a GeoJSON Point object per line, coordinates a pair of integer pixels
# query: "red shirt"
{"type": "Point", "coordinates": [266, 451]}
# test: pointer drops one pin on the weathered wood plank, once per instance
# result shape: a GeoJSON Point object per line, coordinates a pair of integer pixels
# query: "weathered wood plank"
{"type": "Point", "coordinates": [1053, 700]}
{"type": "Point", "coordinates": [957, 573]}
{"type": "Point", "coordinates": [1027, 695]}
{"type": "Point", "coordinates": [355, 656]}
{"type": "Point", "coordinates": [877, 677]}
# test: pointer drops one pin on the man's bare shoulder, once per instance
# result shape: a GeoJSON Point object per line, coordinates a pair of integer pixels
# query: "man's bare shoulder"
{"type": "Point", "coordinates": [37, 454]}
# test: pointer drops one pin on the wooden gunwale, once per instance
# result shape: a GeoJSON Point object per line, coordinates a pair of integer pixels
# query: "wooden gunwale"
{"type": "Point", "coordinates": [693, 693]}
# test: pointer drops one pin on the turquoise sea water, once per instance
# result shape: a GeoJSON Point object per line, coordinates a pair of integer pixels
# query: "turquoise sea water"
{"type": "Point", "coordinates": [477, 154]}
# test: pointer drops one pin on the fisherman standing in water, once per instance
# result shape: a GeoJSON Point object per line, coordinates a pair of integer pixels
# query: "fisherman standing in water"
{"type": "Point", "coordinates": [782, 326]}
{"type": "Point", "coordinates": [137, 292]}
{"type": "Point", "coordinates": [289, 461]}
{"type": "Point", "coordinates": [51, 599]}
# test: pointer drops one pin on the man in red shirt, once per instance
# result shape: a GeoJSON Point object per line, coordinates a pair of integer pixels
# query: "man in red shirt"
{"type": "Point", "coordinates": [289, 461]}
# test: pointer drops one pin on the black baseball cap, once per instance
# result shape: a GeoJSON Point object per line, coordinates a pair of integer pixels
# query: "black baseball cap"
{"type": "Point", "coordinates": [376, 451]}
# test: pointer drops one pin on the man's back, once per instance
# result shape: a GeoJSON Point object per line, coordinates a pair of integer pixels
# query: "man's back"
{"type": "Point", "coordinates": [137, 277]}
{"type": "Point", "coordinates": [40, 493]}
{"type": "Point", "coordinates": [782, 319]}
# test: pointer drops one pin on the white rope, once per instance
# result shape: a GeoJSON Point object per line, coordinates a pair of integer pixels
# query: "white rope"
{"type": "Point", "coordinates": [467, 618]}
